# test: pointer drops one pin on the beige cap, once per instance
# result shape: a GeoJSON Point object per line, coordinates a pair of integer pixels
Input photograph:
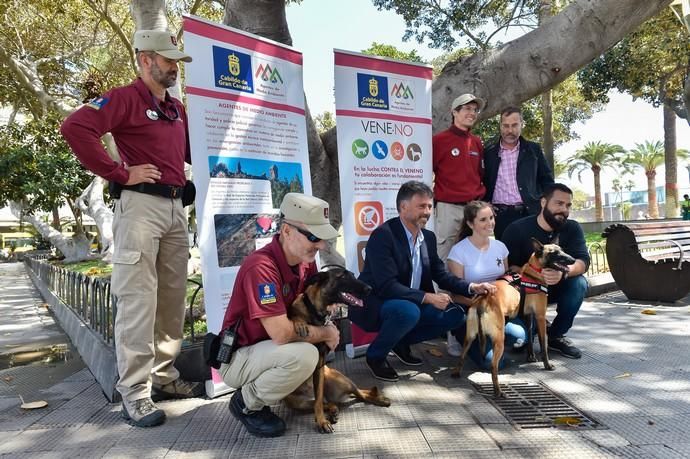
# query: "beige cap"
{"type": "Point", "coordinates": [465, 99]}
{"type": "Point", "coordinates": [311, 212]}
{"type": "Point", "coordinates": [161, 41]}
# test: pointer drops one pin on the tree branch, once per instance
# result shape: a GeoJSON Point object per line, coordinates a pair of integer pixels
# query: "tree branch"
{"type": "Point", "coordinates": [103, 13]}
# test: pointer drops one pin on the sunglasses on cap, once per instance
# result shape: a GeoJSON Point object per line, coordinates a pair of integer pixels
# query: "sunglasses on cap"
{"type": "Point", "coordinates": [310, 236]}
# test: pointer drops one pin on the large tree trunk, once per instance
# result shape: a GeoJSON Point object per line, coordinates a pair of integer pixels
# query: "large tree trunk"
{"type": "Point", "coordinates": [529, 65]}
{"type": "Point", "coordinates": [671, 162]}
{"type": "Point", "coordinates": [652, 206]}
{"type": "Point", "coordinates": [546, 11]}
{"type": "Point", "coordinates": [74, 249]}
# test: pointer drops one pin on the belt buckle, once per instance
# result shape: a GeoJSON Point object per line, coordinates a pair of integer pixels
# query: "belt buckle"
{"type": "Point", "coordinates": [174, 192]}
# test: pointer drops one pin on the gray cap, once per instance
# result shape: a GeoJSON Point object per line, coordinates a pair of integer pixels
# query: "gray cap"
{"type": "Point", "coordinates": [465, 99]}
{"type": "Point", "coordinates": [160, 41]}
{"type": "Point", "coordinates": [311, 212]}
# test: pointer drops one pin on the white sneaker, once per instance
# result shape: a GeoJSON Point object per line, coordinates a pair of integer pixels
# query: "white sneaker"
{"type": "Point", "coordinates": [453, 347]}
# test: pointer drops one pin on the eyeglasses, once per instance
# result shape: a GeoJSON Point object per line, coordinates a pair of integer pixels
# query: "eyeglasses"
{"type": "Point", "coordinates": [161, 113]}
{"type": "Point", "coordinates": [310, 236]}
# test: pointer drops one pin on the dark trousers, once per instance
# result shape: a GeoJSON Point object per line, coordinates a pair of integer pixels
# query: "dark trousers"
{"type": "Point", "coordinates": [505, 215]}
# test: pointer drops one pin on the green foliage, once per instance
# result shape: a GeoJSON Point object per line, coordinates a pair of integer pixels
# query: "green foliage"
{"type": "Point", "coordinates": [594, 156]}
{"type": "Point", "coordinates": [95, 268]}
{"type": "Point", "coordinates": [651, 64]}
{"type": "Point", "coordinates": [648, 156]}
{"type": "Point", "coordinates": [447, 25]}
{"type": "Point", "coordinates": [324, 121]}
{"type": "Point", "coordinates": [38, 167]}
{"type": "Point", "coordinates": [383, 50]}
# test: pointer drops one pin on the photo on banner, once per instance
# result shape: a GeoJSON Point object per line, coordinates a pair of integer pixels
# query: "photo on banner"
{"type": "Point", "coordinates": [383, 114]}
{"type": "Point", "coordinates": [248, 137]}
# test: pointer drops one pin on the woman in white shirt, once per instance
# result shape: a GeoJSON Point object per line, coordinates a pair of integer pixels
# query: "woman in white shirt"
{"type": "Point", "coordinates": [477, 257]}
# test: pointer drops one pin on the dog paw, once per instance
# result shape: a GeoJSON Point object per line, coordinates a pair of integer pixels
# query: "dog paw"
{"type": "Point", "coordinates": [325, 427]}
{"type": "Point", "coordinates": [301, 329]}
{"type": "Point", "coordinates": [384, 401]}
{"type": "Point", "coordinates": [455, 373]}
{"type": "Point", "coordinates": [332, 412]}
{"type": "Point", "coordinates": [531, 358]}
{"type": "Point", "coordinates": [549, 366]}
{"type": "Point", "coordinates": [499, 394]}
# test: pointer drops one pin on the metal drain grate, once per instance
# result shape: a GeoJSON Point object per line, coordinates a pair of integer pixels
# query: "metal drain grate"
{"type": "Point", "coordinates": [532, 406]}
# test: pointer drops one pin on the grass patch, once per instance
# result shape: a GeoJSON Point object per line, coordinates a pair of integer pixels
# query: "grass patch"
{"type": "Point", "coordinates": [95, 268]}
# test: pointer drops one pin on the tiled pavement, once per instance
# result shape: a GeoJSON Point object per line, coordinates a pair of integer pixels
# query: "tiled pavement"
{"type": "Point", "coordinates": [633, 379]}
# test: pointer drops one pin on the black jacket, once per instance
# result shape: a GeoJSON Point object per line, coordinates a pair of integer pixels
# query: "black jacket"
{"type": "Point", "coordinates": [533, 173]}
{"type": "Point", "coordinates": [388, 270]}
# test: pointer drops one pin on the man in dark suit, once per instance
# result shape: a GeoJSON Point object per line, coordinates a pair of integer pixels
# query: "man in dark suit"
{"type": "Point", "coordinates": [515, 173]}
{"type": "Point", "coordinates": [401, 266]}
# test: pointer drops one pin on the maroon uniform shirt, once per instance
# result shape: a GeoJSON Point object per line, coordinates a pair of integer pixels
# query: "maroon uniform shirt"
{"type": "Point", "coordinates": [264, 287]}
{"type": "Point", "coordinates": [145, 131]}
{"type": "Point", "coordinates": [458, 158]}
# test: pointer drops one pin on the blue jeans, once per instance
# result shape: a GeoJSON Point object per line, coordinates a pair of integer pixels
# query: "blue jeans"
{"type": "Point", "coordinates": [515, 334]}
{"type": "Point", "coordinates": [404, 322]}
{"type": "Point", "coordinates": [568, 296]}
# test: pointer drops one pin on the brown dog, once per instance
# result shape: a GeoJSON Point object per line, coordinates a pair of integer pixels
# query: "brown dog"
{"type": "Point", "coordinates": [486, 317]}
{"type": "Point", "coordinates": [328, 387]}
{"type": "Point", "coordinates": [536, 293]}
{"type": "Point", "coordinates": [486, 314]}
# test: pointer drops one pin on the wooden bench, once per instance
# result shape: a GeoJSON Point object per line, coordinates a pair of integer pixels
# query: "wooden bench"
{"type": "Point", "coordinates": [650, 261]}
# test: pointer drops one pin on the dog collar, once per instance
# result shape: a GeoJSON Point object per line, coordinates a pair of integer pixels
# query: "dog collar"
{"type": "Point", "coordinates": [323, 318]}
{"type": "Point", "coordinates": [536, 268]}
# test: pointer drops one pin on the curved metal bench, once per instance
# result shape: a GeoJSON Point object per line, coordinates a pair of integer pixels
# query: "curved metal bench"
{"type": "Point", "coordinates": [650, 261]}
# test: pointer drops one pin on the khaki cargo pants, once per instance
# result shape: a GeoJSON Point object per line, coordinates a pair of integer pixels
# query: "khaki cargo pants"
{"type": "Point", "coordinates": [447, 226]}
{"type": "Point", "coordinates": [149, 281]}
{"type": "Point", "coordinates": [267, 372]}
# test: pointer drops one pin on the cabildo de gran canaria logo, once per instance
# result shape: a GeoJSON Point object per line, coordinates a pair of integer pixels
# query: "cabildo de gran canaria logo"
{"type": "Point", "coordinates": [232, 69]}
{"type": "Point", "coordinates": [372, 91]}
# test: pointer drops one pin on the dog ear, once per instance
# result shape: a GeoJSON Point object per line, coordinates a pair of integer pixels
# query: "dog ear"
{"type": "Point", "coordinates": [537, 245]}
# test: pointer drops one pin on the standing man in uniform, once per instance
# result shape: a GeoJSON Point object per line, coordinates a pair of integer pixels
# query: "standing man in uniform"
{"type": "Point", "coordinates": [515, 173]}
{"type": "Point", "coordinates": [272, 360]}
{"type": "Point", "coordinates": [458, 161]}
{"type": "Point", "coordinates": [150, 226]}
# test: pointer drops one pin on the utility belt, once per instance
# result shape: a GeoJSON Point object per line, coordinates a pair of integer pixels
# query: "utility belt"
{"type": "Point", "coordinates": [187, 192]}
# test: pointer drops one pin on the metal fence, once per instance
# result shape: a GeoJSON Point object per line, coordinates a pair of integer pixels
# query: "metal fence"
{"type": "Point", "coordinates": [598, 263]}
{"type": "Point", "coordinates": [89, 297]}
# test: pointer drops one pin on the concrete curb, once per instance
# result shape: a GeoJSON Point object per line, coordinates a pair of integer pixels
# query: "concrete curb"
{"type": "Point", "coordinates": [600, 284]}
{"type": "Point", "coordinates": [98, 355]}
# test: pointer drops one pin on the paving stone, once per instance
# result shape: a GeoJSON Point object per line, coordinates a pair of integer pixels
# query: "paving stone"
{"type": "Point", "coordinates": [376, 417]}
{"type": "Point", "coordinates": [341, 445]}
{"type": "Point", "coordinates": [392, 442]}
{"type": "Point", "coordinates": [255, 447]}
{"type": "Point", "coordinates": [458, 438]}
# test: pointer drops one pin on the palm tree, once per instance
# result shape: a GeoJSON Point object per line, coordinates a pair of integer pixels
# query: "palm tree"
{"type": "Point", "coordinates": [595, 156]}
{"type": "Point", "coordinates": [648, 156]}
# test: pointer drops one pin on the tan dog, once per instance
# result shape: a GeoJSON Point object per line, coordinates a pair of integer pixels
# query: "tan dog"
{"type": "Point", "coordinates": [486, 317]}
{"type": "Point", "coordinates": [536, 293]}
{"type": "Point", "coordinates": [328, 387]}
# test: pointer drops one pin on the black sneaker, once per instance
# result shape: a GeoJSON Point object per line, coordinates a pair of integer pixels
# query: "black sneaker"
{"type": "Point", "coordinates": [565, 347]}
{"type": "Point", "coordinates": [261, 423]}
{"type": "Point", "coordinates": [142, 413]}
{"type": "Point", "coordinates": [176, 389]}
{"type": "Point", "coordinates": [381, 369]}
{"type": "Point", "coordinates": [404, 354]}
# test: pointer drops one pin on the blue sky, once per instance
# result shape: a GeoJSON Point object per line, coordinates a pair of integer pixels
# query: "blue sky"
{"type": "Point", "coordinates": [318, 26]}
